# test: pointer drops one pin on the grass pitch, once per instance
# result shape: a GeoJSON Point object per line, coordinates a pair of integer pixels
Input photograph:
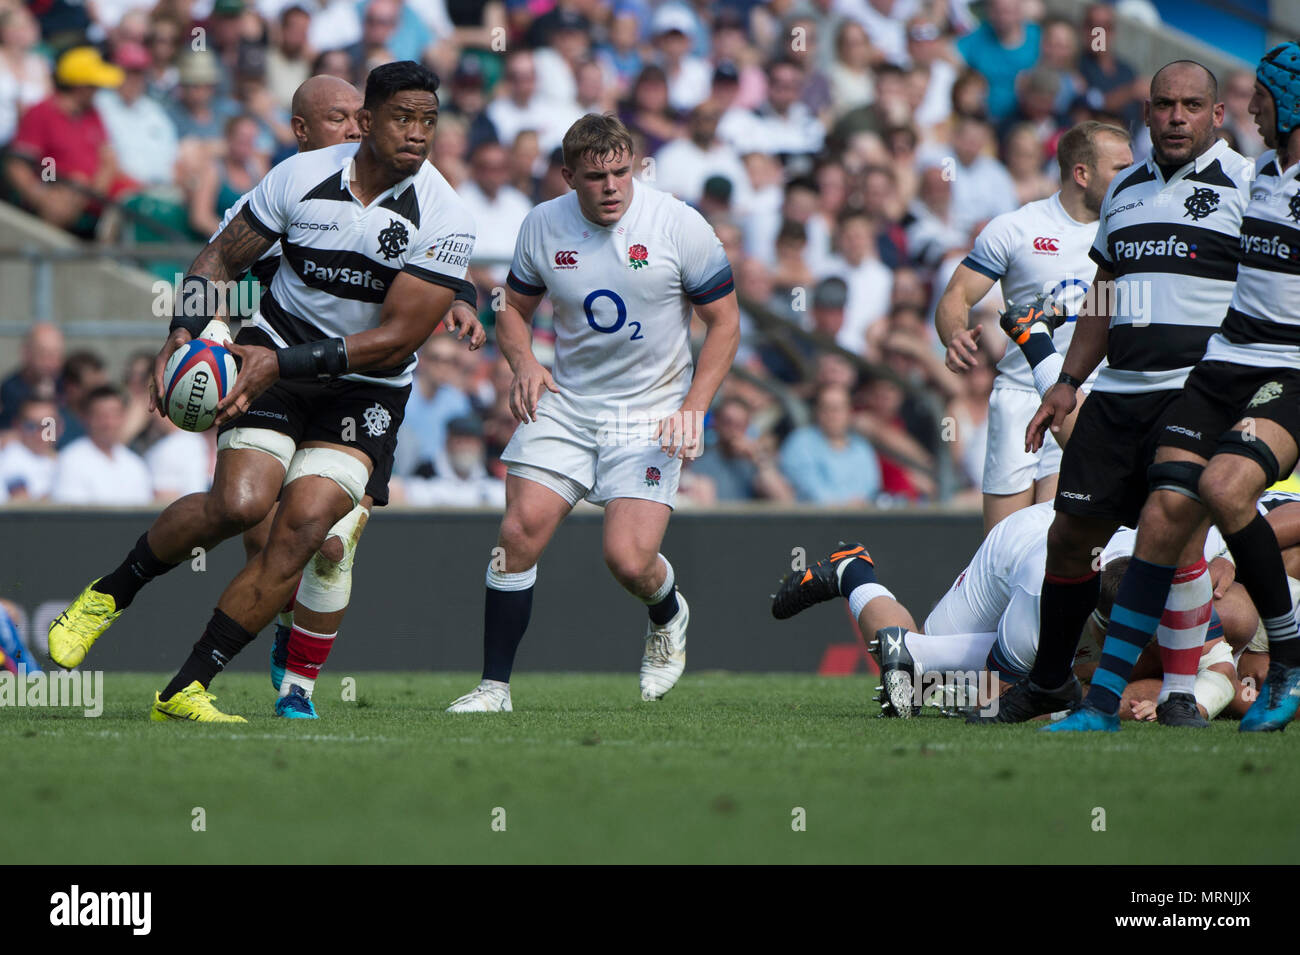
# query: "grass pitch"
{"type": "Point", "coordinates": [584, 772]}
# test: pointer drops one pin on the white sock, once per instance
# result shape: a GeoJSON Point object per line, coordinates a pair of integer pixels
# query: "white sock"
{"type": "Point", "coordinates": [949, 652]}
{"type": "Point", "coordinates": [863, 594]}
{"type": "Point", "coordinates": [1047, 371]}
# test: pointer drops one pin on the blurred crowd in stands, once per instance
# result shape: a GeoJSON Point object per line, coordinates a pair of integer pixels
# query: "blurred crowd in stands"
{"type": "Point", "coordinates": [845, 151]}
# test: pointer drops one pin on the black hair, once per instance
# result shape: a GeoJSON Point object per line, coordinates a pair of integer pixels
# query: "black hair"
{"type": "Point", "coordinates": [386, 81]}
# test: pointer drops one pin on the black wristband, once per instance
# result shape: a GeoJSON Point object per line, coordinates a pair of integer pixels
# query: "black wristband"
{"type": "Point", "coordinates": [196, 304]}
{"type": "Point", "coordinates": [467, 293]}
{"type": "Point", "coordinates": [1070, 380]}
{"type": "Point", "coordinates": [320, 360]}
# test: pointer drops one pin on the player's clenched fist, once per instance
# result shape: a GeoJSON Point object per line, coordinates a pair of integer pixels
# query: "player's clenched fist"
{"type": "Point", "coordinates": [1057, 404]}
{"type": "Point", "coordinates": [964, 349]}
{"type": "Point", "coordinates": [526, 390]}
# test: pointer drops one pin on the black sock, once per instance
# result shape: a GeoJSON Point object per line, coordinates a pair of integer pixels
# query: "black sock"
{"type": "Point", "coordinates": [1038, 345]}
{"type": "Point", "coordinates": [1063, 609]}
{"type": "Point", "coordinates": [665, 609]}
{"type": "Point", "coordinates": [1261, 571]}
{"type": "Point", "coordinates": [221, 640]}
{"type": "Point", "coordinates": [505, 618]}
{"type": "Point", "coordinates": [859, 571]}
{"type": "Point", "coordinates": [140, 567]}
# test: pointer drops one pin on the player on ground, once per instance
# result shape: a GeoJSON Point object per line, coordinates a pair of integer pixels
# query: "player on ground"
{"type": "Point", "coordinates": [1041, 248]}
{"type": "Point", "coordinates": [988, 618]}
{"type": "Point", "coordinates": [374, 242]}
{"type": "Point", "coordinates": [1166, 251]}
{"type": "Point", "coordinates": [1232, 433]}
{"type": "Point", "coordinates": [624, 265]}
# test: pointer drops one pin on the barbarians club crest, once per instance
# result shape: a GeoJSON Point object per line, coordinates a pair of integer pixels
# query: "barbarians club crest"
{"type": "Point", "coordinates": [1201, 203]}
{"type": "Point", "coordinates": [1294, 208]}
{"type": "Point", "coordinates": [393, 239]}
{"type": "Point", "coordinates": [638, 257]}
{"type": "Point", "coordinates": [652, 477]}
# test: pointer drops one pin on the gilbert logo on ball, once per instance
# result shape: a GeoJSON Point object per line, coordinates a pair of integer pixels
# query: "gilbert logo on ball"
{"type": "Point", "coordinates": [198, 375]}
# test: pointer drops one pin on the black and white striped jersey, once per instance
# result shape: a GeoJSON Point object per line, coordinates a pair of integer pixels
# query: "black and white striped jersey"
{"type": "Point", "coordinates": [1173, 248]}
{"type": "Point", "coordinates": [1262, 327]}
{"type": "Point", "coordinates": [339, 257]}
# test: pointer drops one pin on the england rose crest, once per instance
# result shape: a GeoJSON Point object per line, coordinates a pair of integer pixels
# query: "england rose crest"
{"type": "Point", "coordinates": [637, 256]}
{"type": "Point", "coordinates": [652, 477]}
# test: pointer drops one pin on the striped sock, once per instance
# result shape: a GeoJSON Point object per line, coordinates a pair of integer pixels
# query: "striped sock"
{"type": "Point", "coordinates": [307, 654]}
{"type": "Point", "coordinates": [1261, 571]}
{"type": "Point", "coordinates": [1133, 619]}
{"type": "Point", "coordinates": [1183, 626]}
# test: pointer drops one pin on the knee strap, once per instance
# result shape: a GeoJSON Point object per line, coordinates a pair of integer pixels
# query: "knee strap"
{"type": "Point", "coordinates": [1181, 477]}
{"type": "Point", "coordinates": [1236, 442]}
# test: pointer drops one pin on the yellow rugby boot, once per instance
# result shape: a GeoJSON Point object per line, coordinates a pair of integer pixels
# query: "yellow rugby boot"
{"type": "Point", "coordinates": [73, 632]}
{"type": "Point", "coordinates": [192, 703]}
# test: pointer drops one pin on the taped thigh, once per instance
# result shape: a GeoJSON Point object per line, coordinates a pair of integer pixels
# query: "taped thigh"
{"type": "Point", "coordinates": [341, 468]}
{"type": "Point", "coordinates": [277, 445]}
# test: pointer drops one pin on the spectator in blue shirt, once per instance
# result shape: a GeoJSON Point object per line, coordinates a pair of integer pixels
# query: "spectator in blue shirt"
{"type": "Point", "coordinates": [826, 462]}
{"type": "Point", "coordinates": [1003, 45]}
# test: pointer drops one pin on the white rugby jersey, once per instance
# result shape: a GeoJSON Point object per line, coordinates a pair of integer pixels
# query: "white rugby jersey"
{"type": "Point", "coordinates": [338, 257]}
{"type": "Point", "coordinates": [1015, 554]}
{"type": "Point", "coordinates": [622, 294]}
{"type": "Point", "coordinates": [1173, 248]}
{"type": "Point", "coordinates": [1037, 248]}
{"type": "Point", "coordinates": [1262, 327]}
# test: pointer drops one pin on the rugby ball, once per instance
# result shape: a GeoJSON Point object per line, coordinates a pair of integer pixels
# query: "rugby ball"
{"type": "Point", "coordinates": [197, 376]}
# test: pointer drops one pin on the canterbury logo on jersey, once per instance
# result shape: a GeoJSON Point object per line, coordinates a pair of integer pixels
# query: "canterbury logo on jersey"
{"type": "Point", "coordinates": [566, 260]}
{"type": "Point", "coordinates": [1046, 244]}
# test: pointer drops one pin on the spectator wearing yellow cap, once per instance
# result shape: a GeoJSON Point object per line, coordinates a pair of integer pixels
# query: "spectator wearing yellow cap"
{"type": "Point", "coordinates": [62, 144]}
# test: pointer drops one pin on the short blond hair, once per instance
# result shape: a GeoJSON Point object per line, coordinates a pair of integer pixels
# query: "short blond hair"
{"type": "Point", "coordinates": [596, 137]}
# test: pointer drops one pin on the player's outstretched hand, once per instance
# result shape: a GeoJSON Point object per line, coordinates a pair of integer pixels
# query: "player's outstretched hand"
{"type": "Point", "coordinates": [259, 369]}
{"type": "Point", "coordinates": [174, 341]}
{"type": "Point", "coordinates": [682, 432]}
{"type": "Point", "coordinates": [526, 390]}
{"type": "Point", "coordinates": [1057, 404]}
{"type": "Point", "coordinates": [963, 349]}
{"type": "Point", "coordinates": [462, 320]}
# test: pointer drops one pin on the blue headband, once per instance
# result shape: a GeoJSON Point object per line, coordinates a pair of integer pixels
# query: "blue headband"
{"type": "Point", "coordinates": [1279, 71]}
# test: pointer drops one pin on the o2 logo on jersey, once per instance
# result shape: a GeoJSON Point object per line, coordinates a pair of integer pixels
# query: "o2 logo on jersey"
{"type": "Point", "coordinates": [620, 311]}
{"type": "Point", "coordinates": [1068, 294]}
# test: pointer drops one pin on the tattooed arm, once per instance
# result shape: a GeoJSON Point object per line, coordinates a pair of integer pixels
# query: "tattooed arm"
{"type": "Point", "coordinates": [229, 255]}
